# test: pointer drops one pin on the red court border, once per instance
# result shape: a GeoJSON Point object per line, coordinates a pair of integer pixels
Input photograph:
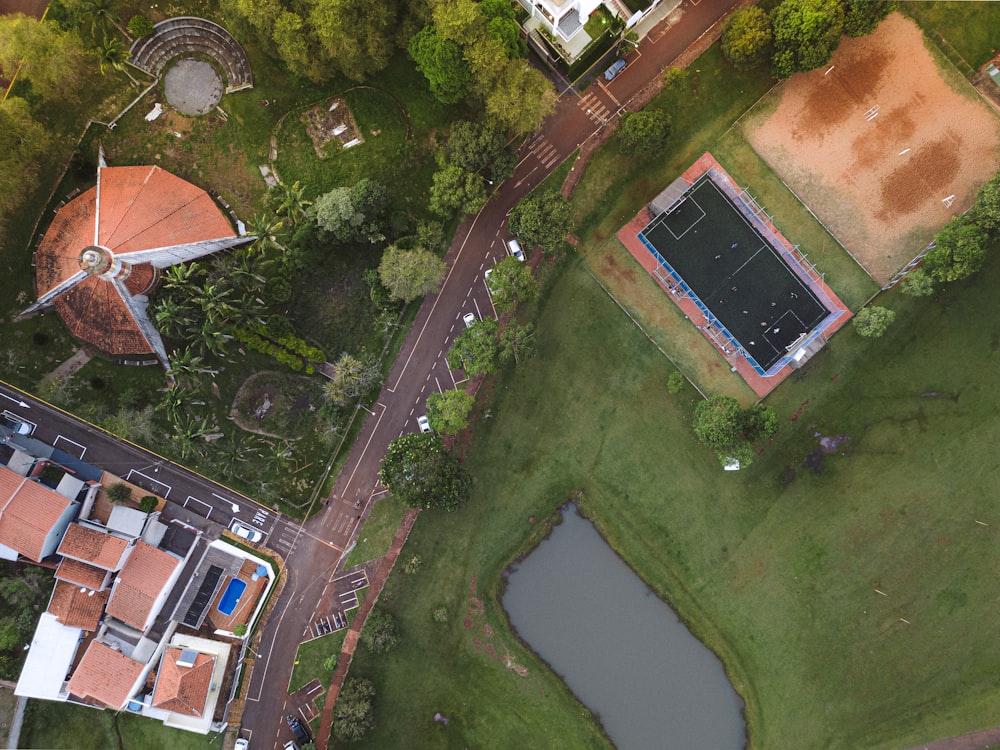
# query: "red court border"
{"type": "Point", "coordinates": [628, 235]}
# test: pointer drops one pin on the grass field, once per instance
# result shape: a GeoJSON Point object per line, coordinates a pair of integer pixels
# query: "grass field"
{"type": "Point", "coordinates": [311, 660]}
{"type": "Point", "coordinates": [971, 29]}
{"type": "Point", "coordinates": [67, 727]}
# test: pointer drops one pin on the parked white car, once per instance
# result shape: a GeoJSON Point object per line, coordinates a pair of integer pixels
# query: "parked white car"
{"type": "Point", "coordinates": [249, 533]}
{"type": "Point", "coordinates": [514, 248]}
{"type": "Point", "coordinates": [424, 423]}
{"type": "Point", "coordinates": [470, 319]}
{"type": "Point", "coordinates": [486, 279]}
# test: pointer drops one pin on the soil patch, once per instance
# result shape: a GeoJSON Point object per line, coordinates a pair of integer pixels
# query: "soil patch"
{"type": "Point", "coordinates": [882, 145]}
{"type": "Point", "coordinates": [331, 122]}
{"type": "Point", "coordinates": [275, 404]}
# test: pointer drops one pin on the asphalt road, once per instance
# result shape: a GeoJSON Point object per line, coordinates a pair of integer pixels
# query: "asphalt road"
{"type": "Point", "coordinates": [420, 368]}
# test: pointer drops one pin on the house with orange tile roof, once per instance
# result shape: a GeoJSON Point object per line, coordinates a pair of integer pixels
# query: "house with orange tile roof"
{"type": "Point", "coordinates": [92, 546]}
{"type": "Point", "coordinates": [77, 606]}
{"type": "Point", "coordinates": [33, 516]}
{"type": "Point", "coordinates": [105, 677]}
{"type": "Point", "coordinates": [102, 255]}
{"type": "Point", "coordinates": [142, 585]}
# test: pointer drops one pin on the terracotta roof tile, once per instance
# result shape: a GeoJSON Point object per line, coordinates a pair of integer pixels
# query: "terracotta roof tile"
{"type": "Point", "coordinates": [105, 676]}
{"type": "Point", "coordinates": [77, 607]}
{"type": "Point", "coordinates": [141, 278]}
{"type": "Point", "coordinates": [180, 689]}
{"type": "Point", "coordinates": [95, 312]}
{"type": "Point", "coordinates": [139, 583]}
{"type": "Point", "coordinates": [28, 518]}
{"type": "Point", "coordinates": [9, 482]}
{"type": "Point", "coordinates": [92, 546]}
{"type": "Point", "coordinates": [72, 229]}
{"type": "Point", "coordinates": [81, 573]}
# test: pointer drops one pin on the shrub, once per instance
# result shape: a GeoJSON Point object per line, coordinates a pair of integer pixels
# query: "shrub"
{"type": "Point", "coordinates": [148, 503]}
{"type": "Point", "coordinates": [872, 322]}
{"type": "Point", "coordinates": [119, 493]}
{"type": "Point", "coordinates": [675, 383]}
{"type": "Point", "coordinates": [140, 26]}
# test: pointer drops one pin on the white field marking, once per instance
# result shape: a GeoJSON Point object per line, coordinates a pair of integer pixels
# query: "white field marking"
{"type": "Point", "coordinates": [83, 448]}
{"type": "Point", "coordinates": [981, 523]}
{"type": "Point", "coordinates": [207, 505]}
{"type": "Point", "coordinates": [829, 69]}
{"type": "Point", "coordinates": [438, 382]}
{"type": "Point", "coordinates": [154, 481]}
{"type": "Point", "coordinates": [479, 312]}
{"type": "Point", "coordinates": [881, 592]}
{"type": "Point", "coordinates": [904, 151]}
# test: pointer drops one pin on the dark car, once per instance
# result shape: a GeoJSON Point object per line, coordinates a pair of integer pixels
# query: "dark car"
{"type": "Point", "coordinates": [298, 729]}
{"type": "Point", "coordinates": [616, 67]}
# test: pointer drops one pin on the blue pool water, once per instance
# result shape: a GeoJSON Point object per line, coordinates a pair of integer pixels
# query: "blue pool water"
{"type": "Point", "coordinates": [231, 596]}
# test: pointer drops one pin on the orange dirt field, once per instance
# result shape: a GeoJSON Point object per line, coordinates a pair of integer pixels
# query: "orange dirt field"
{"type": "Point", "coordinates": [879, 146]}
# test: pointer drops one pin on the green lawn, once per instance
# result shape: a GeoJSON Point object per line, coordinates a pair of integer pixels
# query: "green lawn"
{"type": "Point", "coordinates": [377, 533]}
{"type": "Point", "coordinates": [972, 29]}
{"type": "Point", "coordinates": [311, 660]}
{"type": "Point", "coordinates": [775, 568]}
{"type": "Point", "coordinates": [62, 725]}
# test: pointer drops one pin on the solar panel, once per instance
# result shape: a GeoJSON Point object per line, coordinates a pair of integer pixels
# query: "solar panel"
{"type": "Point", "coordinates": [194, 614]}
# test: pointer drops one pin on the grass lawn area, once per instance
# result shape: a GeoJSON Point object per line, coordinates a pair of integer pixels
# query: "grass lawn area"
{"type": "Point", "coordinates": [973, 29]}
{"type": "Point", "coordinates": [775, 567]}
{"type": "Point", "coordinates": [311, 660]}
{"type": "Point", "coordinates": [377, 533]}
{"type": "Point", "coordinates": [62, 725]}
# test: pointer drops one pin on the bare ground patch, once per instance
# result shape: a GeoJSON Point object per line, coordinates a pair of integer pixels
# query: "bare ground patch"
{"type": "Point", "coordinates": [331, 122]}
{"type": "Point", "coordinates": [882, 147]}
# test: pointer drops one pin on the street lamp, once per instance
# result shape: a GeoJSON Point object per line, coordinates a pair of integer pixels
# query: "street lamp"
{"type": "Point", "coordinates": [592, 112]}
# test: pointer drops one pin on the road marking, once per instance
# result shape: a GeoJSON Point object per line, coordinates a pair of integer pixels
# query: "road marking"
{"type": "Point", "coordinates": [607, 91]}
{"type": "Point", "coordinates": [440, 389]}
{"type": "Point", "coordinates": [128, 478]}
{"type": "Point", "coordinates": [370, 438]}
{"type": "Point", "coordinates": [83, 448]}
{"type": "Point", "coordinates": [479, 312]}
{"type": "Point", "coordinates": [207, 505]}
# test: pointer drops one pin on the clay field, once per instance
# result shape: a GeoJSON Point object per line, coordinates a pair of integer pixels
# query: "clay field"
{"type": "Point", "coordinates": [884, 146]}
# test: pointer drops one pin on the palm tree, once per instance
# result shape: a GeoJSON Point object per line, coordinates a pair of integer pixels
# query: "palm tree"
{"type": "Point", "coordinates": [291, 202]}
{"type": "Point", "coordinates": [278, 453]}
{"type": "Point", "coordinates": [265, 229]}
{"type": "Point", "coordinates": [188, 432]}
{"type": "Point", "coordinates": [113, 54]}
{"type": "Point", "coordinates": [173, 403]}
{"type": "Point", "coordinates": [182, 276]}
{"type": "Point", "coordinates": [102, 15]}
{"type": "Point", "coordinates": [172, 317]}
{"type": "Point", "coordinates": [233, 452]}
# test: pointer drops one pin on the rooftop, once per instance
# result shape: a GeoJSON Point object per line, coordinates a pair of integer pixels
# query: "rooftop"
{"type": "Point", "coordinates": [81, 573]}
{"type": "Point", "coordinates": [105, 676]}
{"type": "Point", "coordinates": [76, 606]}
{"type": "Point", "coordinates": [29, 515]}
{"type": "Point", "coordinates": [182, 686]}
{"type": "Point", "coordinates": [95, 547]}
{"type": "Point", "coordinates": [140, 582]}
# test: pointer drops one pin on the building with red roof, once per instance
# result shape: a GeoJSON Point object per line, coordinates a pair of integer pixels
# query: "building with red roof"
{"type": "Point", "coordinates": [102, 255]}
{"type": "Point", "coordinates": [142, 585]}
{"type": "Point", "coordinates": [33, 517]}
{"type": "Point", "coordinates": [105, 677]}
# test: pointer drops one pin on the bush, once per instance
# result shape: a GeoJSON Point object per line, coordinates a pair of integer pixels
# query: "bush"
{"type": "Point", "coordinates": [675, 383]}
{"type": "Point", "coordinates": [872, 322]}
{"type": "Point", "coordinates": [148, 503]}
{"type": "Point", "coordinates": [119, 493]}
{"type": "Point", "coordinates": [240, 630]}
{"type": "Point", "coordinates": [140, 26]}
{"type": "Point", "coordinates": [380, 633]}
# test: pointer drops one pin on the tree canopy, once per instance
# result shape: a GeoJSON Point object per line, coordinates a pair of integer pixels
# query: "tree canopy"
{"type": "Point", "coordinates": [644, 132]}
{"type": "Point", "coordinates": [959, 250]}
{"type": "Point", "coordinates": [542, 220]}
{"type": "Point", "coordinates": [355, 213]}
{"type": "Point", "coordinates": [747, 39]}
{"type": "Point", "coordinates": [806, 34]}
{"type": "Point", "coordinates": [476, 349]}
{"type": "Point", "coordinates": [22, 142]}
{"type": "Point", "coordinates": [422, 474]}
{"type": "Point", "coordinates": [873, 321]}
{"type": "Point", "coordinates": [408, 274]}
{"type": "Point", "coordinates": [862, 16]}
{"type": "Point", "coordinates": [52, 60]}
{"type": "Point", "coordinates": [511, 283]}
{"type": "Point", "coordinates": [354, 712]}
{"type": "Point", "coordinates": [380, 633]}
{"type": "Point", "coordinates": [721, 424]}
{"type": "Point", "coordinates": [516, 340]}
{"type": "Point", "coordinates": [442, 63]}
{"type": "Point", "coordinates": [455, 190]}
{"type": "Point", "coordinates": [481, 147]}
{"type": "Point", "coordinates": [448, 412]}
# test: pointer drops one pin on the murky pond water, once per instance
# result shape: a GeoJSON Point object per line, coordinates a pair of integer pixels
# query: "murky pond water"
{"type": "Point", "coordinates": [621, 649]}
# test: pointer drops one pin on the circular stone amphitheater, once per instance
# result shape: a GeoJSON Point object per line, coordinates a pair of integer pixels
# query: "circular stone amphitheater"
{"type": "Point", "coordinates": [191, 84]}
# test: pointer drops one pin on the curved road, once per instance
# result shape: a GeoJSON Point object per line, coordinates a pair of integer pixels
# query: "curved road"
{"type": "Point", "coordinates": [309, 598]}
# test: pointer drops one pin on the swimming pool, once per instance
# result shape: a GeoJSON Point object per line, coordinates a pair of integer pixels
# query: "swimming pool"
{"type": "Point", "coordinates": [231, 596]}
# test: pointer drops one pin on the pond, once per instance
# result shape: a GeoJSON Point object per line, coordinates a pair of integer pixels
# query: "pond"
{"type": "Point", "coordinates": [620, 649]}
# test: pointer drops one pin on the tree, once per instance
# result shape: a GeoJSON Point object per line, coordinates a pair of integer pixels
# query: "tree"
{"type": "Point", "coordinates": [806, 34]}
{"type": "Point", "coordinates": [409, 274]}
{"type": "Point", "coordinates": [453, 189]}
{"type": "Point", "coordinates": [356, 35]}
{"type": "Point", "coordinates": [643, 132]}
{"type": "Point", "coordinates": [442, 63]}
{"type": "Point", "coordinates": [476, 349]}
{"type": "Point", "coordinates": [917, 283]}
{"type": "Point", "coordinates": [355, 213]}
{"type": "Point", "coordinates": [759, 422]}
{"type": "Point", "coordinates": [986, 210]}
{"type": "Point", "coordinates": [747, 39]}
{"type": "Point", "coordinates": [290, 201]}
{"type": "Point", "coordinates": [380, 632]}
{"type": "Point", "coordinates": [520, 97]}
{"type": "Point", "coordinates": [422, 474]}
{"type": "Point", "coordinates": [22, 142]}
{"type": "Point", "coordinates": [718, 422]}
{"type": "Point", "coordinates": [511, 283]}
{"type": "Point", "coordinates": [872, 322]}
{"type": "Point", "coordinates": [119, 493]}
{"type": "Point", "coordinates": [298, 47]}
{"type": "Point", "coordinates": [481, 147]}
{"type": "Point", "coordinates": [542, 220]}
{"type": "Point", "coordinates": [959, 250]}
{"type": "Point", "coordinates": [112, 53]}
{"type": "Point", "coordinates": [354, 711]}
{"type": "Point", "coordinates": [140, 26]}
{"type": "Point", "coordinates": [448, 412]}
{"type": "Point", "coordinates": [53, 61]}
{"type": "Point", "coordinates": [862, 16]}
{"type": "Point", "coordinates": [516, 341]}
{"type": "Point", "coordinates": [102, 15]}
{"type": "Point", "coordinates": [352, 376]}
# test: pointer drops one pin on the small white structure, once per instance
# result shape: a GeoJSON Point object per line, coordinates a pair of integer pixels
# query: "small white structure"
{"type": "Point", "coordinates": [155, 112]}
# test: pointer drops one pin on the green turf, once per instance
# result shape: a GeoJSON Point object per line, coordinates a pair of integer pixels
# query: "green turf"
{"type": "Point", "coordinates": [49, 724]}
{"type": "Point", "coordinates": [377, 533]}
{"type": "Point", "coordinates": [775, 568]}
{"type": "Point", "coordinates": [971, 29]}
{"type": "Point", "coordinates": [311, 660]}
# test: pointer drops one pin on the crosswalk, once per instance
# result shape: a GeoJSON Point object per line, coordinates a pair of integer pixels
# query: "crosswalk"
{"type": "Point", "coordinates": [545, 152]}
{"type": "Point", "coordinates": [594, 108]}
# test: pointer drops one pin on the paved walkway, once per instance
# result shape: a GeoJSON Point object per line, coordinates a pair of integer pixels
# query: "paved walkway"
{"type": "Point", "coordinates": [14, 736]}
{"type": "Point", "coordinates": [72, 365]}
{"type": "Point", "coordinates": [351, 639]}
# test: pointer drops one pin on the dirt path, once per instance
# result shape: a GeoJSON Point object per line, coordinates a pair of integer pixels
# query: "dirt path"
{"type": "Point", "coordinates": [377, 581]}
{"type": "Point", "coordinates": [980, 740]}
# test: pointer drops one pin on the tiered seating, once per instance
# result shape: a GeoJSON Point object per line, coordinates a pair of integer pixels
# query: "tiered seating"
{"type": "Point", "coordinates": [186, 35]}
